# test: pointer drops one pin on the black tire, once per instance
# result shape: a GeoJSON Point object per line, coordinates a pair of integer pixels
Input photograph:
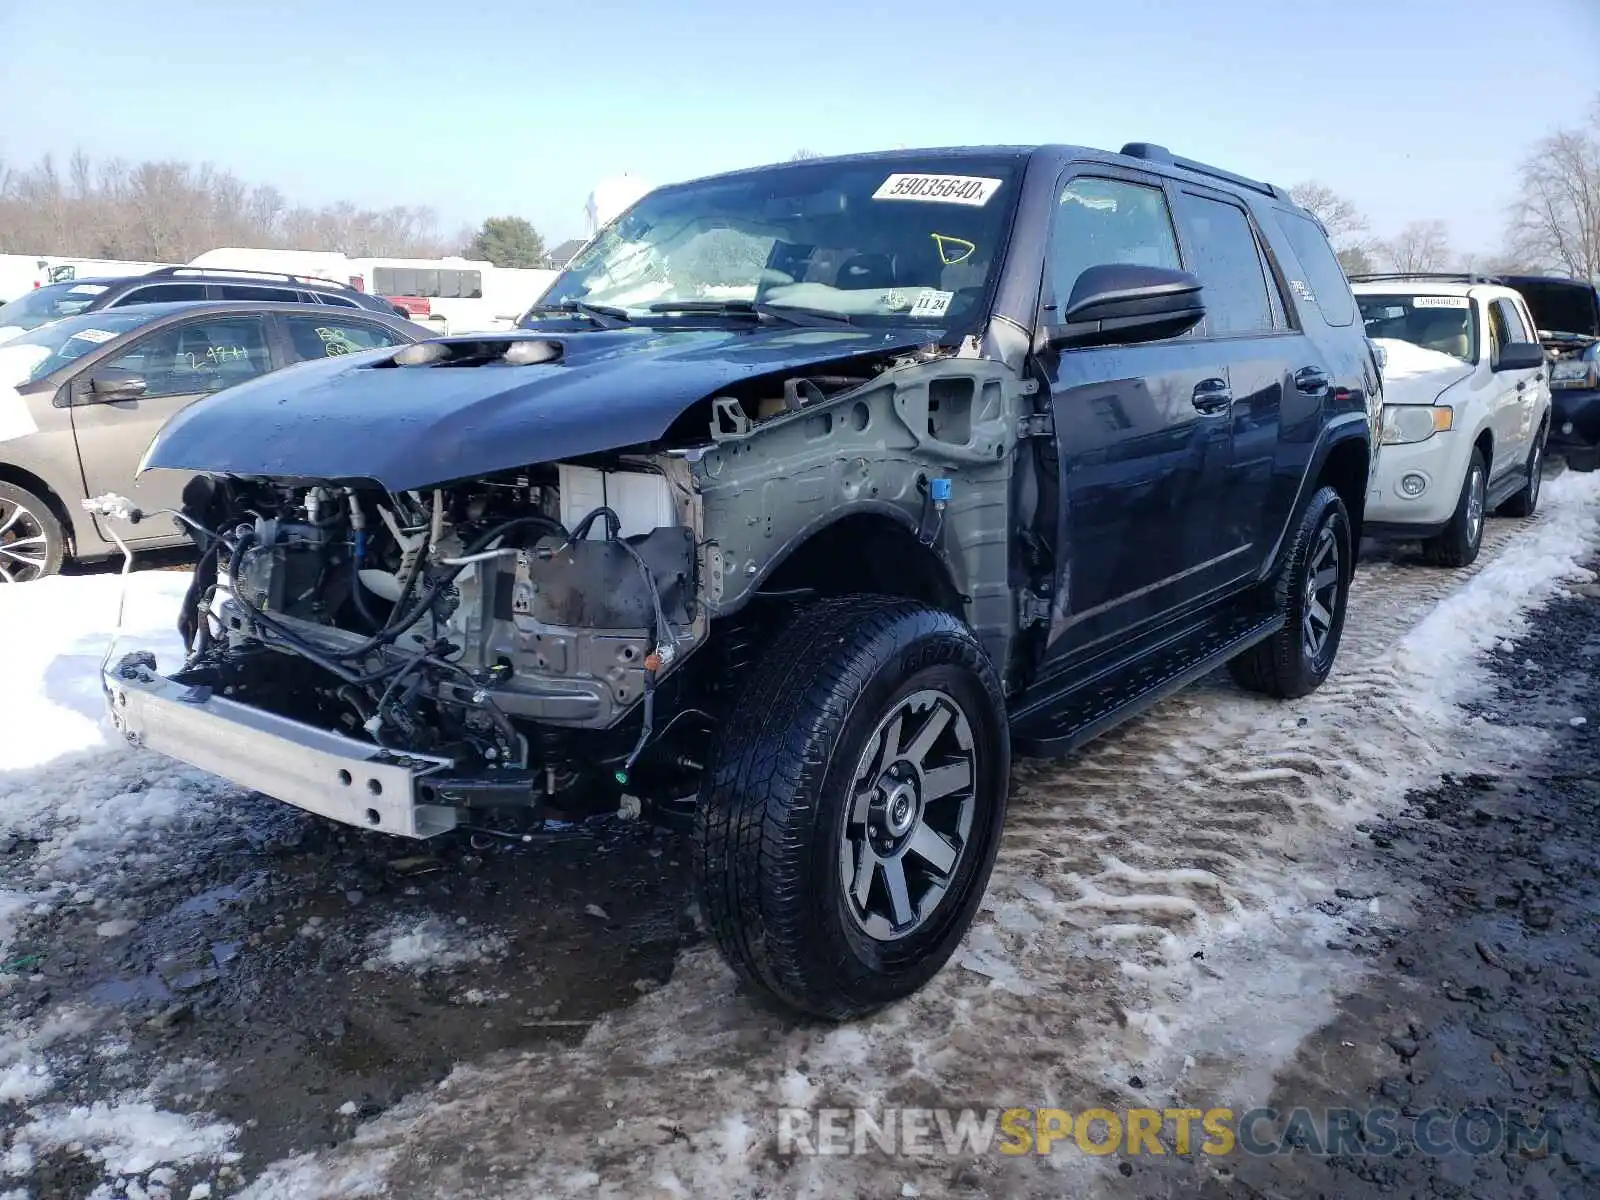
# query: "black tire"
{"type": "Point", "coordinates": [1292, 662]}
{"type": "Point", "coordinates": [779, 806]}
{"type": "Point", "coordinates": [1526, 502]}
{"type": "Point", "coordinates": [1457, 545]}
{"type": "Point", "coordinates": [31, 538]}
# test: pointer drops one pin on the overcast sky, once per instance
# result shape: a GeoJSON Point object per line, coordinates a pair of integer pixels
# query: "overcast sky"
{"type": "Point", "coordinates": [1414, 108]}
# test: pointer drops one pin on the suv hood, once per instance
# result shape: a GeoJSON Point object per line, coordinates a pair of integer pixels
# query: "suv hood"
{"type": "Point", "coordinates": [361, 417]}
{"type": "Point", "coordinates": [1558, 306]}
{"type": "Point", "coordinates": [1413, 374]}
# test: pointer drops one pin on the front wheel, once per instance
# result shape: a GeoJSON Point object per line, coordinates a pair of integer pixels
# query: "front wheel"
{"type": "Point", "coordinates": [31, 541]}
{"type": "Point", "coordinates": [1457, 545]}
{"type": "Point", "coordinates": [849, 820]}
{"type": "Point", "coordinates": [1311, 590]}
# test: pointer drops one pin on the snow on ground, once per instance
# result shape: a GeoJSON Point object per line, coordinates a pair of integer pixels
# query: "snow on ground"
{"type": "Point", "coordinates": [61, 784]}
{"type": "Point", "coordinates": [91, 806]}
{"type": "Point", "coordinates": [129, 1137]}
{"type": "Point", "coordinates": [431, 943]}
{"type": "Point", "coordinates": [1151, 933]}
{"type": "Point", "coordinates": [1150, 936]}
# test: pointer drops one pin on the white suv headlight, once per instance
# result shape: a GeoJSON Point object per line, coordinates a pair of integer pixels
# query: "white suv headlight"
{"type": "Point", "coordinates": [1406, 423]}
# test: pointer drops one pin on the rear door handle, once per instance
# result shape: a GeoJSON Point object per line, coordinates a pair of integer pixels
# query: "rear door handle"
{"type": "Point", "coordinates": [1212, 395]}
{"type": "Point", "coordinates": [1311, 380]}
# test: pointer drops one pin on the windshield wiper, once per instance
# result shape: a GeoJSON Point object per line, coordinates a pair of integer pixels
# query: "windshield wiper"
{"type": "Point", "coordinates": [773, 314]}
{"type": "Point", "coordinates": [606, 316]}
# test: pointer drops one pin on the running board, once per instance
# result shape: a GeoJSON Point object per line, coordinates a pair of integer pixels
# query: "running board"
{"type": "Point", "coordinates": [1089, 711]}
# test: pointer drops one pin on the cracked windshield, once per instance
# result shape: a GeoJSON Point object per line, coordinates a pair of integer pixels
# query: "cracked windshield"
{"type": "Point", "coordinates": [892, 240]}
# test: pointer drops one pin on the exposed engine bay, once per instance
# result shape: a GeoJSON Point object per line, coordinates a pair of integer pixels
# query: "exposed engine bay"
{"type": "Point", "coordinates": [563, 633]}
{"type": "Point", "coordinates": [462, 621]}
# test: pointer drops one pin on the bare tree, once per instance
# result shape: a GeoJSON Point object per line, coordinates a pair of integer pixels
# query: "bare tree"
{"type": "Point", "coordinates": [173, 211]}
{"type": "Point", "coordinates": [802, 154]}
{"type": "Point", "coordinates": [1338, 214]}
{"type": "Point", "coordinates": [1346, 224]}
{"type": "Point", "coordinates": [1420, 246]}
{"type": "Point", "coordinates": [1555, 221]}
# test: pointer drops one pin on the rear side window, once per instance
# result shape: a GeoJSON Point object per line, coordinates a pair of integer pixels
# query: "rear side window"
{"type": "Point", "coordinates": [1104, 221]}
{"type": "Point", "coordinates": [329, 337]}
{"type": "Point", "coordinates": [267, 295]}
{"type": "Point", "coordinates": [1223, 253]}
{"type": "Point", "coordinates": [1324, 283]}
{"type": "Point", "coordinates": [163, 293]}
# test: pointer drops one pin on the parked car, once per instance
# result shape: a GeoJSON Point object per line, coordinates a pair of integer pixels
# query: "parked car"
{"type": "Point", "coordinates": [814, 492]}
{"type": "Point", "coordinates": [1567, 315]}
{"type": "Point", "coordinates": [172, 284]}
{"type": "Point", "coordinates": [81, 397]}
{"type": "Point", "coordinates": [1466, 409]}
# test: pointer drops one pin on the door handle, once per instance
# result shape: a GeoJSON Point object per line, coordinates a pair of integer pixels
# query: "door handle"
{"type": "Point", "coordinates": [1212, 395]}
{"type": "Point", "coordinates": [1311, 380]}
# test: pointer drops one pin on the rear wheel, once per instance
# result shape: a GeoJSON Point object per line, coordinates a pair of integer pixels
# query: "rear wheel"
{"type": "Point", "coordinates": [1457, 545]}
{"type": "Point", "coordinates": [851, 814]}
{"type": "Point", "coordinates": [1311, 590]}
{"type": "Point", "coordinates": [1526, 502]}
{"type": "Point", "coordinates": [31, 541]}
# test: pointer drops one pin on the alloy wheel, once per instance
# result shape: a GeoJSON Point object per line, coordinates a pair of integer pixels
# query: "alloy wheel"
{"type": "Point", "coordinates": [910, 820]}
{"type": "Point", "coordinates": [23, 545]}
{"type": "Point", "coordinates": [1322, 593]}
{"type": "Point", "coordinates": [1474, 506]}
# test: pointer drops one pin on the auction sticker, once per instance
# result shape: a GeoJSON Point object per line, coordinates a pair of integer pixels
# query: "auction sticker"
{"type": "Point", "coordinates": [97, 336]}
{"type": "Point", "coordinates": [932, 304]}
{"type": "Point", "coordinates": [973, 190]}
{"type": "Point", "coordinates": [1440, 302]}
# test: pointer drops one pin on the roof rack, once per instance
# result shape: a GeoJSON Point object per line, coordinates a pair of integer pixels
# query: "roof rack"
{"type": "Point", "coordinates": [1151, 152]}
{"type": "Point", "coordinates": [1439, 276]}
{"type": "Point", "coordinates": [246, 271]}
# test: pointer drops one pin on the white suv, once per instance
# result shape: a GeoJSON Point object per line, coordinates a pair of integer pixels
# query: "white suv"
{"type": "Point", "coordinates": [1466, 406]}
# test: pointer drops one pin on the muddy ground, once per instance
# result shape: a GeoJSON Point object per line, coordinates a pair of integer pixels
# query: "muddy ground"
{"type": "Point", "coordinates": [303, 979]}
{"type": "Point", "coordinates": [294, 978]}
{"type": "Point", "coordinates": [1490, 999]}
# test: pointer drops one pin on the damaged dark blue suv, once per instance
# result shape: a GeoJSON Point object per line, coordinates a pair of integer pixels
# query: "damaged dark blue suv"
{"type": "Point", "coordinates": [808, 494]}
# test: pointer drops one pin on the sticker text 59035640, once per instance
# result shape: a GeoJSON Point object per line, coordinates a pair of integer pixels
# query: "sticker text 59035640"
{"type": "Point", "coordinates": [973, 190]}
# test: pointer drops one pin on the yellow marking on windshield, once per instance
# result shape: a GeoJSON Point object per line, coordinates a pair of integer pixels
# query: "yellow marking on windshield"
{"type": "Point", "coordinates": [953, 250]}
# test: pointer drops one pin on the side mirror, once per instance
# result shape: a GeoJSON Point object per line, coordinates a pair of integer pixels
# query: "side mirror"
{"type": "Point", "coordinates": [112, 384]}
{"type": "Point", "coordinates": [1127, 303]}
{"type": "Point", "coordinates": [1520, 356]}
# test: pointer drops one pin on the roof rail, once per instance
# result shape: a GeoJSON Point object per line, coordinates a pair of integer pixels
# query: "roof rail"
{"type": "Point", "coordinates": [246, 271]}
{"type": "Point", "coordinates": [1151, 152]}
{"type": "Point", "coordinates": [1439, 276]}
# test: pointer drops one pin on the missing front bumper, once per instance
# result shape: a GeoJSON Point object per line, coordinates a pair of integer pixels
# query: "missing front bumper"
{"type": "Point", "coordinates": [315, 770]}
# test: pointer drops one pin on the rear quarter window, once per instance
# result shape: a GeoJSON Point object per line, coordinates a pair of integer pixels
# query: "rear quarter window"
{"type": "Point", "coordinates": [1323, 278]}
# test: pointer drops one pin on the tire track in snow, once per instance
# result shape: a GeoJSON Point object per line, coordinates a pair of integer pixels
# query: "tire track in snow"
{"type": "Point", "coordinates": [1152, 906]}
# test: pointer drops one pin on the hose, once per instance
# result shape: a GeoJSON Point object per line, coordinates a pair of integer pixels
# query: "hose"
{"type": "Point", "coordinates": [392, 630]}
{"type": "Point", "coordinates": [358, 591]}
{"type": "Point", "coordinates": [305, 649]}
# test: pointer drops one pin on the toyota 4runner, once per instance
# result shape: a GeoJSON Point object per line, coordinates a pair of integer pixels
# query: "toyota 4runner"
{"type": "Point", "coordinates": [812, 493]}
